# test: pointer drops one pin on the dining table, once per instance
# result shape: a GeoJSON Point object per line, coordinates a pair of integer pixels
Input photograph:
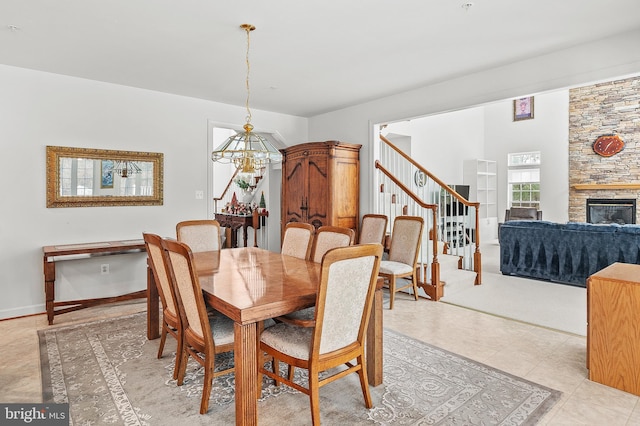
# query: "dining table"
{"type": "Point", "coordinates": [251, 285]}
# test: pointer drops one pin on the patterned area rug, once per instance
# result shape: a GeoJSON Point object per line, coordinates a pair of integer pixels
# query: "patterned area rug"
{"type": "Point", "coordinates": [108, 372]}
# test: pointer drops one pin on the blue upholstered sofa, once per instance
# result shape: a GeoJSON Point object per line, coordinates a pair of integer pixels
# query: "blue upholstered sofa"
{"type": "Point", "coordinates": [567, 253]}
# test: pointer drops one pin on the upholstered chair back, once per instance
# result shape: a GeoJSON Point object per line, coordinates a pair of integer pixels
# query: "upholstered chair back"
{"type": "Point", "coordinates": [200, 235]}
{"type": "Point", "coordinates": [188, 291]}
{"type": "Point", "coordinates": [297, 241]}
{"type": "Point", "coordinates": [345, 296]}
{"type": "Point", "coordinates": [160, 274]}
{"type": "Point", "coordinates": [328, 237]}
{"type": "Point", "coordinates": [405, 239]}
{"type": "Point", "coordinates": [373, 229]}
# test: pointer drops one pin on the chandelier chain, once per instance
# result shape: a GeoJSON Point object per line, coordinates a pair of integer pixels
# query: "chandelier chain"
{"type": "Point", "coordinates": [249, 151]}
{"type": "Point", "coordinates": [248, 29]}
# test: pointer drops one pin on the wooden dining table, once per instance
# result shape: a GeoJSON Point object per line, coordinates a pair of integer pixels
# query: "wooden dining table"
{"type": "Point", "coordinates": [250, 285]}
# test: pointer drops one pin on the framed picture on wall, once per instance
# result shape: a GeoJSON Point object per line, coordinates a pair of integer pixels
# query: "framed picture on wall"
{"type": "Point", "coordinates": [106, 174]}
{"type": "Point", "coordinates": [523, 108]}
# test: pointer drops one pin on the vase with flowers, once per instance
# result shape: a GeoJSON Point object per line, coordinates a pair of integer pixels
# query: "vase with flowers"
{"type": "Point", "coordinates": [243, 183]}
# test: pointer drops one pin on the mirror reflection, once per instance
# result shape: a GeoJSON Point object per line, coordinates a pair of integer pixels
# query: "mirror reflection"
{"type": "Point", "coordinates": [79, 177]}
{"type": "Point", "coordinates": [88, 177]}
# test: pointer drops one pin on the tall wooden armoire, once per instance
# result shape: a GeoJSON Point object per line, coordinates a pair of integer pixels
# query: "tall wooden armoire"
{"type": "Point", "coordinates": [320, 184]}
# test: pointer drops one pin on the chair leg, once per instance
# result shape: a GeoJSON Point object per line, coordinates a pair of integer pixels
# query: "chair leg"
{"type": "Point", "coordinates": [291, 372]}
{"type": "Point", "coordinates": [184, 357]}
{"type": "Point", "coordinates": [264, 358]}
{"type": "Point", "coordinates": [176, 368]}
{"type": "Point", "coordinates": [209, 364]}
{"type": "Point", "coordinates": [314, 397]}
{"type": "Point", "coordinates": [275, 367]}
{"type": "Point", "coordinates": [414, 280]}
{"type": "Point", "coordinates": [163, 338]}
{"type": "Point", "coordinates": [364, 382]}
{"type": "Point", "coordinates": [392, 290]}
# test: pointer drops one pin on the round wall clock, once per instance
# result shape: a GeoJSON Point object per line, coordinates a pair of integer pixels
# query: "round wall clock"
{"type": "Point", "coordinates": [608, 145]}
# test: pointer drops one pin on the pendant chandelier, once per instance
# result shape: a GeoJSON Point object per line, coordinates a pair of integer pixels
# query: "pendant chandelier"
{"type": "Point", "coordinates": [126, 168]}
{"type": "Point", "coordinates": [249, 152]}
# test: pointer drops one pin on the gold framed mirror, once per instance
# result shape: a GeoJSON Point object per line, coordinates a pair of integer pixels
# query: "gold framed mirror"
{"type": "Point", "coordinates": [86, 177]}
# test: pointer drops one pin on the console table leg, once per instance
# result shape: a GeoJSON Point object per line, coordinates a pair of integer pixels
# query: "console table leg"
{"type": "Point", "coordinates": [244, 234]}
{"type": "Point", "coordinates": [49, 288]}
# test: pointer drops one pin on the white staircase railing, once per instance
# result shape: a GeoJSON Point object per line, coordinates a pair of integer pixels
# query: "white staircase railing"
{"type": "Point", "coordinates": [451, 222]}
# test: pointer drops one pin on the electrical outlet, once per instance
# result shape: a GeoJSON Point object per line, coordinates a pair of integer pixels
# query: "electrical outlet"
{"type": "Point", "coordinates": [199, 195]}
{"type": "Point", "coordinates": [104, 269]}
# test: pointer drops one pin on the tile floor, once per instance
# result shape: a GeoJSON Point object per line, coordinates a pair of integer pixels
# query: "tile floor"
{"type": "Point", "coordinates": [545, 356]}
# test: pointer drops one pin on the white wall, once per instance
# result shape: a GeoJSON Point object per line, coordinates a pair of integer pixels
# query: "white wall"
{"type": "Point", "coordinates": [577, 65]}
{"type": "Point", "coordinates": [442, 142]}
{"type": "Point", "coordinates": [547, 132]}
{"type": "Point", "coordinates": [39, 109]}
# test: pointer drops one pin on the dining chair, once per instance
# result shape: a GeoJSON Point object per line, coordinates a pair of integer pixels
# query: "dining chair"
{"type": "Point", "coordinates": [204, 335]}
{"type": "Point", "coordinates": [343, 304]}
{"type": "Point", "coordinates": [171, 322]}
{"type": "Point", "coordinates": [373, 229]}
{"type": "Point", "coordinates": [328, 237]}
{"type": "Point", "coordinates": [297, 241]}
{"type": "Point", "coordinates": [403, 255]}
{"type": "Point", "coordinates": [200, 235]}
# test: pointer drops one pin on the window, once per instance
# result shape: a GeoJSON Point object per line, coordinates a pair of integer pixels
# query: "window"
{"type": "Point", "coordinates": [524, 179]}
{"type": "Point", "coordinates": [138, 183]}
{"type": "Point", "coordinates": [76, 177]}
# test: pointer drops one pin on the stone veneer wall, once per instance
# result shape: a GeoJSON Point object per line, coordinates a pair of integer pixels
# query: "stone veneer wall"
{"type": "Point", "coordinates": [600, 109]}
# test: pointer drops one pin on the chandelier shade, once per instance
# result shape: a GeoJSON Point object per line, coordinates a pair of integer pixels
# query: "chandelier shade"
{"type": "Point", "coordinates": [247, 150]}
{"type": "Point", "coordinates": [126, 168]}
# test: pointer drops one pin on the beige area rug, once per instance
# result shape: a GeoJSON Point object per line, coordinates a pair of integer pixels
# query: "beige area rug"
{"type": "Point", "coordinates": [108, 372]}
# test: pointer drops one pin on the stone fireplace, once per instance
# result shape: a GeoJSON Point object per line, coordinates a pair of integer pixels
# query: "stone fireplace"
{"type": "Point", "coordinates": [596, 110]}
{"type": "Point", "coordinates": [605, 210]}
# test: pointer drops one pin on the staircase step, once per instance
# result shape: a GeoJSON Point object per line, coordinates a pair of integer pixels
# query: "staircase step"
{"type": "Point", "coordinates": [457, 280]}
{"type": "Point", "coordinates": [448, 262]}
{"type": "Point", "coordinates": [429, 244]}
{"type": "Point", "coordinates": [454, 280]}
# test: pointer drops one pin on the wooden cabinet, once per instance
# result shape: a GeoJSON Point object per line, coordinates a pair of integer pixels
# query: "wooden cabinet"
{"type": "Point", "coordinates": [320, 184]}
{"type": "Point", "coordinates": [613, 327]}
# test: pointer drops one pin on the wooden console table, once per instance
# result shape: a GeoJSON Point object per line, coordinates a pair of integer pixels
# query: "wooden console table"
{"type": "Point", "coordinates": [613, 335]}
{"type": "Point", "coordinates": [52, 254]}
{"type": "Point", "coordinates": [233, 222]}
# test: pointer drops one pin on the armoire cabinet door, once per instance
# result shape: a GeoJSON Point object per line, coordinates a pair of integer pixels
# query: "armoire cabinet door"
{"type": "Point", "coordinates": [294, 190]}
{"type": "Point", "coordinates": [320, 184]}
{"type": "Point", "coordinates": [318, 191]}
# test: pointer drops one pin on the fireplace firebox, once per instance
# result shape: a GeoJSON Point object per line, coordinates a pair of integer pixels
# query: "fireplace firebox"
{"type": "Point", "coordinates": [619, 210]}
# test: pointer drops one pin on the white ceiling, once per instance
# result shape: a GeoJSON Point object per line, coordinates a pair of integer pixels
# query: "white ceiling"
{"type": "Point", "coordinates": [307, 57]}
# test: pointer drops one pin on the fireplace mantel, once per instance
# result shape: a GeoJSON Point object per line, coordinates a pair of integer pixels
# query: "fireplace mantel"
{"type": "Point", "coordinates": [590, 186]}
